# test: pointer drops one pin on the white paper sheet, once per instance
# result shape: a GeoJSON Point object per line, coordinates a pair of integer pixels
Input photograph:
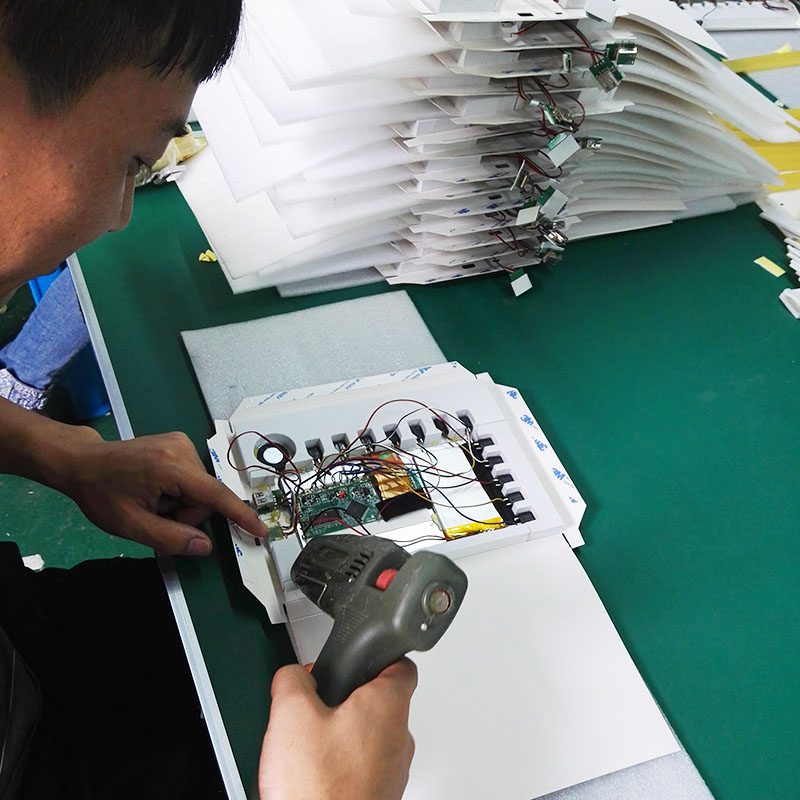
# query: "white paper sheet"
{"type": "Point", "coordinates": [566, 702]}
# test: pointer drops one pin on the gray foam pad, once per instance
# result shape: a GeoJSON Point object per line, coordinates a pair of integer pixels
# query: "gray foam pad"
{"type": "Point", "coordinates": [328, 283]}
{"type": "Point", "coordinates": [672, 777]}
{"type": "Point", "coordinates": [367, 336]}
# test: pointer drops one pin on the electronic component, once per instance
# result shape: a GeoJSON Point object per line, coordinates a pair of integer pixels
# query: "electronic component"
{"type": "Point", "coordinates": [624, 52]}
{"type": "Point", "coordinates": [485, 473]}
{"type": "Point", "coordinates": [474, 431]}
{"type": "Point", "coordinates": [554, 115]}
{"type": "Point", "coordinates": [274, 529]}
{"type": "Point", "coordinates": [558, 116]}
{"type": "Point", "coordinates": [393, 480]}
{"type": "Point", "coordinates": [338, 507]}
{"type": "Point", "coordinates": [551, 202]}
{"type": "Point", "coordinates": [552, 238]}
{"type": "Point", "coordinates": [351, 490]}
{"type": "Point", "coordinates": [550, 256]}
{"type": "Point", "coordinates": [356, 510]}
{"type": "Point", "coordinates": [528, 213]}
{"type": "Point", "coordinates": [590, 142]}
{"type": "Point", "coordinates": [560, 148]}
{"type": "Point", "coordinates": [389, 490]}
{"type": "Point", "coordinates": [520, 282]}
{"type": "Point", "coordinates": [520, 179]}
{"type": "Point", "coordinates": [274, 451]}
{"type": "Point", "coordinates": [606, 74]}
{"type": "Point", "coordinates": [263, 499]}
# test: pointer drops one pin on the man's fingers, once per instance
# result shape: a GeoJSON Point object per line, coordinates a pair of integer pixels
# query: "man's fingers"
{"type": "Point", "coordinates": [202, 489]}
{"type": "Point", "coordinates": [192, 515]}
{"type": "Point", "coordinates": [295, 681]}
{"type": "Point", "coordinates": [167, 536]}
{"type": "Point", "coordinates": [399, 680]}
{"type": "Point", "coordinates": [403, 673]}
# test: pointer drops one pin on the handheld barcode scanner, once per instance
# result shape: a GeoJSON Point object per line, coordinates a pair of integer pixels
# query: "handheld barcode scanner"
{"type": "Point", "coordinates": [384, 602]}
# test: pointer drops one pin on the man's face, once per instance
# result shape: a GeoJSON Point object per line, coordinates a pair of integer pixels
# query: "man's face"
{"type": "Point", "coordinates": [78, 182]}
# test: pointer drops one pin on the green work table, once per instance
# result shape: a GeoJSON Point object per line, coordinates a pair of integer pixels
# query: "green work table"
{"type": "Point", "coordinates": [664, 370]}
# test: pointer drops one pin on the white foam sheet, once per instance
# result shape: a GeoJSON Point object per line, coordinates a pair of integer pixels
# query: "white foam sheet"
{"type": "Point", "coordinates": [246, 235]}
{"type": "Point", "coordinates": [329, 283]}
{"type": "Point", "coordinates": [672, 777]}
{"type": "Point", "coordinates": [257, 68]}
{"type": "Point", "coordinates": [783, 83]}
{"type": "Point", "coordinates": [550, 697]}
{"type": "Point", "coordinates": [250, 166]}
{"type": "Point", "coordinates": [251, 237]}
{"type": "Point", "coordinates": [669, 17]}
{"type": "Point", "coordinates": [318, 27]}
{"type": "Point", "coordinates": [368, 336]}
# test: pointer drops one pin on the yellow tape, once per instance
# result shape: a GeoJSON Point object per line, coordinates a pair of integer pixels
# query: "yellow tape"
{"type": "Point", "coordinates": [783, 158]}
{"type": "Point", "coordinates": [770, 266]}
{"type": "Point", "coordinates": [760, 63]}
{"type": "Point", "coordinates": [791, 181]}
{"type": "Point", "coordinates": [746, 138]}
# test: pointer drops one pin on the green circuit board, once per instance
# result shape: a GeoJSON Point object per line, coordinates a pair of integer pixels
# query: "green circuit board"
{"type": "Point", "coordinates": [354, 502]}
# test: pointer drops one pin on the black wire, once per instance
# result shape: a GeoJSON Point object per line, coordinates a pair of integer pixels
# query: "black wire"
{"type": "Point", "coordinates": [471, 519]}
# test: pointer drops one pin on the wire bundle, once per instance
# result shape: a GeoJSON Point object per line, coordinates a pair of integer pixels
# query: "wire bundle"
{"type": "Point", "coordinates": [362, 459]}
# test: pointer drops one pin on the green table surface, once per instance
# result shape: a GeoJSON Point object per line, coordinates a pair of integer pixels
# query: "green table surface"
{"type": "Point", "coordinates": [664, 370]}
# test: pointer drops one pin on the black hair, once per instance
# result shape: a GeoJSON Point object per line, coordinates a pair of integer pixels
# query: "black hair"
{"type": "Point", "coordinates": [63, 47]}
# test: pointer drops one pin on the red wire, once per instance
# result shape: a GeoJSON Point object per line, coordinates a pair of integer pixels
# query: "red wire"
{"type": "Point", "coordinates": [544, 124]}
{"type": "Point", "coordinates": [527, 27]}
{"type": "Point", "coordinates": [356, 442]}
{"type": "Point", "coordinates": [338, 520]}
{"type": "Point", "coordinates": [560, 86]}
{"type": "Point", "coordinates": [543, 86]}
{"type": "Point", "coordinates": [588, 44]}
{"type": "Point", "coordinates": [538, 170]}
{"type": "Point", "coordinates": [583, 112]}
{"type": "Point", "coordinates": [399, 469]}
{"type": "Point", "coordinates": [507, 244]}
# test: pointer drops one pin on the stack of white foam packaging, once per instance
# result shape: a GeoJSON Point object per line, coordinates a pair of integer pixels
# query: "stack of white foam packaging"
{"type": "Point", "coordinates": [419, 141]}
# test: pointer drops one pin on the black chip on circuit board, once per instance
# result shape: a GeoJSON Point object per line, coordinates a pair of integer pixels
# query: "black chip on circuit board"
{"type": "Point", "coordinates": [356, 510]}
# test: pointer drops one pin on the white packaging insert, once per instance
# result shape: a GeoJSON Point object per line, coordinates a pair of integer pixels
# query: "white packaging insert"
{"type": "Point", "coordinates": [531, 690]}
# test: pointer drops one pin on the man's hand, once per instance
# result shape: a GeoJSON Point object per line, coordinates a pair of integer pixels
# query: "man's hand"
{"type": "Point", "coordinates": [153, 490]}
{"type": "Point", "coordinates": [361, 750]}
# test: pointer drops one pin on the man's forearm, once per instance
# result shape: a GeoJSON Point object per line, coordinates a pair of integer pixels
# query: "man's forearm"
{"type": "Point", "coordinates": [36, 447]}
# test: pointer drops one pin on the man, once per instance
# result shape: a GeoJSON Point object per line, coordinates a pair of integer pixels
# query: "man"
{"type": "Point", "coordinates": [90, 91]}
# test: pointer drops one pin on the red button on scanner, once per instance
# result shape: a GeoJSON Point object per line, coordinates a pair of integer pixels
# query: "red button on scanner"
{"type": "Point", "coordinates": [385, 579]}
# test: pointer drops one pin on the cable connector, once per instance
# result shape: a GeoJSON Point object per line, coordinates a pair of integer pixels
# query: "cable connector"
{"type": "Point", "coordinates": [606, 74]}
{"type": "Point", "coordinates": [624, 52]}
{"type": "Point", "coordinates": [589, 142]}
